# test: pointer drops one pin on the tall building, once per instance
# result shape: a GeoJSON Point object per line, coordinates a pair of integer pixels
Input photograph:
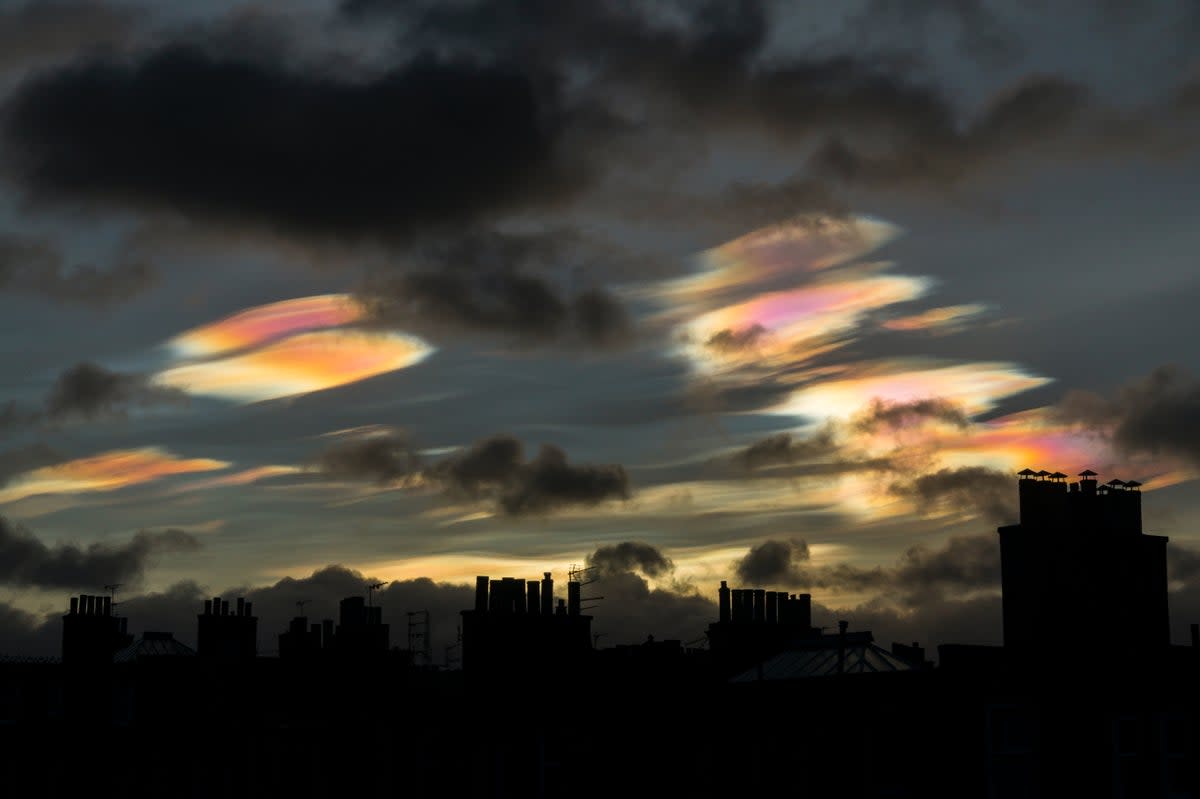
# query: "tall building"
{"type": "Point", "coordinates": [1078, 568]}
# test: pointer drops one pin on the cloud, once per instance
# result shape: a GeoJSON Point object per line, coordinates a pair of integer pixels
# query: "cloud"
{"type": "Point", "coordinates": [433, 142]}
{"type": "Point", "coordinates": [784, 448]}
{"type": "Point", "coordinates": [382, 458]}
{"type": "Point", "coordinates": [548, 482]}
{"type": "Point", "coordinates": [26, 561]}
{"type": "Point", "coordinates": [25, 459]}
{"type": "Point", "coordinates": [496, 467]}
{"type": "Point", "coordinates": [34, 266]}
{"type": "Point", "coordinates": [976, 489]}
{"type": "Point", "coordinates": [24, 634]}
{"type": "Point", "coordinates": [730, 340]}
{"type": "Point", "coordinates": [88, 391]}
{"type": "Point", "coordinates": [1157, 414]}
{"type": "Point", "coordinates": [963, 565]}
{"type": "Point", "coordinates": [508, 283]}
{"type": "Point", "coordinates": [37, 31]}
{"type": "Point", "coordinates": [493, 469]}
{"type": "Point", "coordinates": [527, 307]}
{"type": "Point", "coordinates": [899, 415]}
{"type": "Point", "coordinates": [773, 561]}
{"type": "Point", "coordinates": [629, 556]}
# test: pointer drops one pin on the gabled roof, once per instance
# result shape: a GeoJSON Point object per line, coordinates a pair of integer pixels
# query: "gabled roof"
{"type": "Point", "coordinates": [820, 659]}
{"type": "Point", "coordinates": [152, 645]}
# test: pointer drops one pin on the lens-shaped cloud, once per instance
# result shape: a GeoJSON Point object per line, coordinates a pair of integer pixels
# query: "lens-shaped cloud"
{"type": "Point", "coordinates": [974, 387]}
{"type": "Point", "coordinates": [801, 246]}
{"type": "Point", "coordinates": [934, 318]}
{"type": "Point", "coordinates": [265, 323]}
{"type": "Point", "coordinates": [793, 325]}
{"type": "Point", "coordinates": [107, 471]}
{"type": "Point", "coordinates": [298, 365]}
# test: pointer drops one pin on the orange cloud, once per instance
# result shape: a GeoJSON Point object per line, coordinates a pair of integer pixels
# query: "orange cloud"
{"type": "Point", "coordinates": [935, 317]}
{"type": "Point", "coordinates": [264, 323]}
{"type": "Point", "coordinates": [107, 471]}
{"type": "Point", "coordinates": [298, 365]}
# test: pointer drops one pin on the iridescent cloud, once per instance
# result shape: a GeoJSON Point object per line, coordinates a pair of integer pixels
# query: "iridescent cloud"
{"type": "Point", "coordinates": [935, 317]}
{"type": "Point", "coordinates": [975, 387]}
{"type": "Point", "coordinates": [298, 365]}
{"type": "Point", "coordinates": [795, 323]}
{"type": "Point", "coordinates": [265, 323]}
{"type": "Point", "coordinates": [802, 246]}
{"type": "Point", "coordinates": [107, 471]}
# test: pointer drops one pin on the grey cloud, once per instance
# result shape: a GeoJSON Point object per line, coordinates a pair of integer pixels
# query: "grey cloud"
{"type": "Point", "coordinates": [384, 458]}
{"type": "Point", "coordinates": [493, 468]}
{"type": "Point", "coordinates": [89, 391]}
{"type": "Point", "coordinates": [897, 415]}
{"type": "Point", "coordinates": [42, 30]}
{"type": "Point", "coordinates": [977, 489]}
{"type": "Point", "coordinates": [629, 556]}
{"type": "Point", "coordinates": [195, 129]}
{"type": "Point", "coordinates": [784, 448]}
{"type": "Point", "coordinates": [23, 459]}
{"type": "Point", "coordinates": [963, 564]}
{"type": "Point", "coordinates": [1158, 414]}
{"type": "Point", "coordinates": [26, 561]}
{"type": "Point", "coordinates": [772, 562]}
{"type": "Point", "coordinates": [23, 634]}
{"type": "Point", "coordinates": [729, 340]}
{"type": "Point", "coordinates": [490, 282]}
{"type": "Point", "coordinates": [548, 482]}
{"type": "Point", "coordinates": [34, 266]}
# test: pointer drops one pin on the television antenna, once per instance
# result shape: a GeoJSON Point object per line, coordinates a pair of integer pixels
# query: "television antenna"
{"type": "Point", "coordinates": [371, 589]}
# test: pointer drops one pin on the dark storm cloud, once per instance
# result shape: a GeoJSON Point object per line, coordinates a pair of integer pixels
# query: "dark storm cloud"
{"type": "Point", "coordinates": [89, 391]}
{"type": "Point", "coordinates": [976, 489]}
{"type": "Point", "coordinates": [25, 459]}
{"type": "Point", "coordinates": [963, 564]}
{"type": "Point", "coordinates": [629, 556]}
{"type": "Point", "coordinates": [34, 266]}
{"type": "Point", "coordinates": [1159, 413]}
{"type": "Point", "coordinates": [41, 30]}
{"type": "Point", "coordinates": [898, 415]}
{"type": "Point", "coordinates": [230, 139]}
{"type": "Point", "coordinates": [26, 561]}
{"type": "Point", "coordinates": [385, 459]}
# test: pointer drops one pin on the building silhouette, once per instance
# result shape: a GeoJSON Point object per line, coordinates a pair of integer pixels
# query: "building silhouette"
{"type": "Point", "coordinates": [1086, 697]}
{"type": "Point", "coordinates": [1079, 553]}
{"type": "Point", "coordinates": [227, 636]}
{"type": "Point", "coordinates": [91, 631]}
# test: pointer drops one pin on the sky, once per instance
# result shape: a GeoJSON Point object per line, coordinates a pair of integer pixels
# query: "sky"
{"type": "Point", "coordinates": [298, 297]}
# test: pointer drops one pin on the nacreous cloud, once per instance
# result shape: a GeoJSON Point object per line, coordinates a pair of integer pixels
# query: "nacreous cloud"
{"type": "Point", "coordinates": [299, 365]}
{"type": "Point", "coordinates": [107, 471]}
